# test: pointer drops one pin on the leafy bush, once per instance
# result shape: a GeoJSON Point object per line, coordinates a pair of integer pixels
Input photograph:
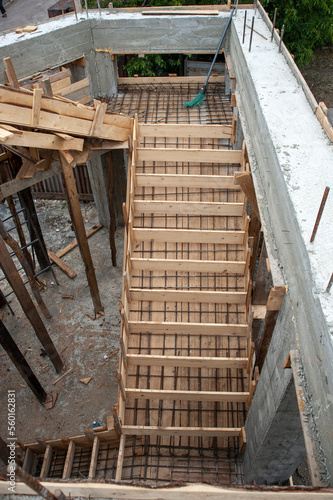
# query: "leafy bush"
{"type": "Point", "coordinates": [308, 25]}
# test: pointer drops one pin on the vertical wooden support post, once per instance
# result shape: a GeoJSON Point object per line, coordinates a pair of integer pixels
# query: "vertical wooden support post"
{"type": "Point", "coordinates": [93, 460]}
{"type": "Point", "coordinates": [21, 364]}
{"type": "Point", "coordinates": [69, 460]}
{"type": "Point", "coordinates": [76, 216]}
{"type": "Point", "coordinates": [111, 209]}
{"type": "Point", "coordinates": [10, 72]}
{"type": "Point", "coordinates": [15, 281]}
{"type": "Point", "coordinates": [47, 461]}
{"type": "Point", "coordinates": [120, 457]}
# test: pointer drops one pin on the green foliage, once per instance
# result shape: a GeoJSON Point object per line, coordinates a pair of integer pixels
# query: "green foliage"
{"type": "Point", "coordinates": [308, 25]}
{"type": "Point", "coordinates": [152, 65]}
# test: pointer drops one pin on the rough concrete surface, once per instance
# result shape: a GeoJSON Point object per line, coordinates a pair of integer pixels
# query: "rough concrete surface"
{"type": "Point", "coordinates": [23, 12]}
{"type": "Point", "coordinates": [82, 341]}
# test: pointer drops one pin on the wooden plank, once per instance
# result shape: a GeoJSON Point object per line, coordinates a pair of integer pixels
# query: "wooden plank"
{"type": "Point", "coordinates": [180, 180]}
{"type": "Point", "coordinates": [97, 124]}
{"type": "Point", "coordinates": [198, 266]}
{"type": "Point", "coordinates": [44, 141]}
{"type": "Point", "coordinates": [189, 236]}
{"type": "Point", "coordinates": [167, 395]}
{"type": "Point", "coordinates": [60, 84]}
{"type": "Point", "coordinates": [166, 80]}
{"type": "Point", "coordinates": [259, 311]}
{"type": "Point", "coordinates": [69, 460]}
{"type": "Point", "coordinates": [28, 462]}
{"type": "Point", "coordinates": [275, 298]}
{"type": "Point", "coordinates": [78, 224]}
{"type": "Point", "coordinates": [189, 296]}
{"type": "Point", "coordinates": [93, 459]}
{"type": "Point", "coordinates": [195, 130]}
{"type": "Point", "coordinates": [189, 155]}
{"type": "Point", "coordinates": [36, 103]}
{"type": "Point", "coordinates": [47, 461]}
{"type": "Point", "coordinates": [187, 12]}
{"type": "Point", "coordinates": [74, 244]}
{"type": "Point", "coordinates": [5, 134]}
{"type": "Point", "coordinates": [171, 328]}
{"type": "Point", "coordinates": [73, 87]}
{"type": "Point", "coordinates": [142, 430]}
{"type": "Point", "coordinates": [245, 181]}
{"type": "Point", "coordinates": [188, 208]}
{"type": "Point", "coordinates": [62, 265]}
{"type": "Point", "coordinates": [185, 492]}
{"type": "Point", "coordinates": [324, 122]}
{"type": "Point", "coordinates": [186, 361]}
{"type": "Point", "coordinates": [10, 72]}
{"type": "Point", "coordinates": [18, 115]}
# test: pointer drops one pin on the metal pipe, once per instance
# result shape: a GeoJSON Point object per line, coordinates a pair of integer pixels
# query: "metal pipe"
{"type": "Point", "coordinates": [281, 37]}
{"type": "Point", "coordinates": [274, 21]}
{"type": "Point", "coordinates": [251, 36]}
{"type": "Point", "coordinates": [244, 28]}
{"type": "Point", "coordinates": [320, 213]}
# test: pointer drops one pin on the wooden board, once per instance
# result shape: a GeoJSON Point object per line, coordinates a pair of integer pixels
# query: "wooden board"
{"type": "Point", "coordinates": [189, 236]}
{"type": "Point", "coordinates": [163, 327]}
{"type": "Point", "coordinates": [181, 180]}
{"type": "Point", "coordinates": [142, 430]}
{"type": "Point", "coordinates": [187, 361]}
{"type": "Point", "coordinates": [201, 266]}
{"type": "Point", "coordinates": [190, 155]}
{"type": "Point", "coordinates": [231, 397]}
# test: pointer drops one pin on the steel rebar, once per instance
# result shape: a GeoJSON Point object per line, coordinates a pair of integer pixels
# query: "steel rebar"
{"type": "Point", "coordinates": [320, 213]}
{"type": "Point", "coordinates": [274, 21]}
{"type": "Point", "coordinates": [251, 35]}
{"type": "Point", "coordinates": [244, 28]}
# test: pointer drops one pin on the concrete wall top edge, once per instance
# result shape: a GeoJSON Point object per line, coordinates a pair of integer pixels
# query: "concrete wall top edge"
{"type": "Point", "coordinates": [292, 165]}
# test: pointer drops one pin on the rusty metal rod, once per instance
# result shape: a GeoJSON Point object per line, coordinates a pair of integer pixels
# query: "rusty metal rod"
{"type": "Point", "coordinates": [320, 213]}
{"type": "Point", "coordinates": [244, 29]}
{"type": "Point", "coordinates": [34, 484]}
{"type": "Point", "coordinates": [251, 36]}
{"type": "Point", "coordinates": [330, 283]}
{"type": "Point", "coordinates": [281, 38]}
{"type": "Point", "coordinates": [274, 21]}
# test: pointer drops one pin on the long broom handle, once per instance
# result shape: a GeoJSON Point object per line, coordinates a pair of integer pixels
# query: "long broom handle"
{"type": "Point", "coordinates": [218, 48]}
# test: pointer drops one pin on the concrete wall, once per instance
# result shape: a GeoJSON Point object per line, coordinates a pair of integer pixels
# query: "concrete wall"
{"type": "Point", "coordinates": [275, 444]}
{"type": "Point", "coordinates": [283, 235]}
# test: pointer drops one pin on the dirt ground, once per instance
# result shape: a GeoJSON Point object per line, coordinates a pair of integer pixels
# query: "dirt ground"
{"type": "Point", "coordinates": [319, 75]}
{"type": "Point", "coordinates": [83, 342]}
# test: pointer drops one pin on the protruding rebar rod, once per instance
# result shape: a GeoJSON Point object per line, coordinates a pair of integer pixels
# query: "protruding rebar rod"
{"type": "Point", "coordinates": [99, 8]}
{"type": "Point", "coordinates": [86, 5]}
{"type": "Point", "coordinates": [274, 21]}
{"type": "Point", "coordinates": [75, 10]}
{"type": "Point", "coordinates": [244, 29]}
{"type": "Point", "coordinates": [330, 283]}
{"type": "Point", "coordinates": [34, 484]}
{"type": "Point", "coordinates": [320, 213]}
{"type": "Point", "coordinates": [251, 36]}
{"type": "Point", "coordinates": [281, 38]}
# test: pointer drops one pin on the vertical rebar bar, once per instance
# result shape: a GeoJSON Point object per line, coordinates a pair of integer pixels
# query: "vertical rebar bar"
{"type": "Point", "coordinates": [274, 21]}
{"type": "Point", "coordinates": [251, 36]}
{"type": "Point", "coordinates": [330, 283]}
{"type": "Point", "coordinates": [281, 38]}
{"type": "Point", "coordinates": [75, 10]}
{"type": "Point", "coordinates": [320, 213]}
{"type": "Point", "coordinates": [99, 8]}
{"type": "Point", "coordinates": [86, 5]}
{"type": "Point", "coordinates": [244, 29]}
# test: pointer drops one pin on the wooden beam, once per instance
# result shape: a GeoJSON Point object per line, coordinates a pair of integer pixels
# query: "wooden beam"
{"type": "Point", "coordinates": [186, 361]}
{"type": "Point", "coordinates": [143, 430]}
{"type": "Point", "coordinates": [167, 80]}
{"type": "Point", "coordinates": [15, 281]}
{"type": "Point", "coordinates": [189, 155]}
{"type": "Point", "coordinates": [9, 345]}
{"type": "Point", "coordinates": [41, 140]}
{"type": "Point", "coordinates": [10, 72]}
{"type": "Point", "coordinates": [189, 208]}
{"type": "Point", "coordinates": [78, 225]}
{"type": "Point", "coordinates": [62, 265]}
{"type": "Point", "coordinates": [69, 460]}
{"type": "Point", "coordinates": [193, 130]}
{"type": "Point", "coordinates": [171, 328]}
{"type": "Point", "coordinates": [167, 395]}
{"type": "Point", "coordinates": [245, 181]}
{"type": "Point", "coordinates": [189, 296]}
{"type": "Point", "coordinates": [189, 236]}
{"type": "Point", "coordinates": [46, 461]}
{"type": "Point", "coordinates": [93, 459]}
{"type": "Point", "coordinates": [180, 180]}
{"type": "Point", "coordinates": [185, 492]}
{"type": "Point", "coordinates": [197, 266]}
{"type": "Point", "coordinates": [97, 124]}
{"type": "Point", "coordinates": [36, 103]}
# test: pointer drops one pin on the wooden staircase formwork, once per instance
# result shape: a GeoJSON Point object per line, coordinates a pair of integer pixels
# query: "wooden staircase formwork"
{"type": "Point", "coordinates": [185, 335]}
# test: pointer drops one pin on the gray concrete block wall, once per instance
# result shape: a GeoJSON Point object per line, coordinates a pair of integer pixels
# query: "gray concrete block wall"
{"type": "Point", "coordinates": [275, 444]}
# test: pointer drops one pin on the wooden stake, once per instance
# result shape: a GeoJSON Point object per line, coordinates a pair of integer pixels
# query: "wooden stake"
{"type": "Point", "coordinates": [111, 209]}
{"type": "Point", "coordinates": [21, 364]}
{"type": "Point", "coordinates": [10, 72]}
{"type": "Point", "coordinates": [15, 281]}
{"type": "Point", "coordinates": [78, 225]}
